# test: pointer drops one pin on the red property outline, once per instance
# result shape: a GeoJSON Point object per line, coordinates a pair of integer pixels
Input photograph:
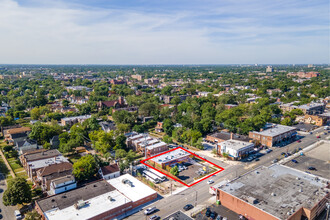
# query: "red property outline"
{"type": "Point", "coordinates": [204, 178]}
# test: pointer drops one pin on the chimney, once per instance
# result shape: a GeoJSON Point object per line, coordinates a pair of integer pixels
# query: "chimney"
{"type": "Point", "coordinates": [231, 135]}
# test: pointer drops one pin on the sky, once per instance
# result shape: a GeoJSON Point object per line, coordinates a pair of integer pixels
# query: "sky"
{"type": "Point", "coordinates": [164, 31]}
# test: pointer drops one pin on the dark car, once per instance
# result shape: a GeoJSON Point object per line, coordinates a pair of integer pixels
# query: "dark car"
{"type": "Point", "coordinates": [188, 207]}
{"type": "Point", "coordinates": [208, 213]}
{"type": "Point", "coordinates": [295, 161]}
{"type": "Point", "coordinates": [213, 215]}
{"type": "Point", "coordinates": [311, 168]}
{"type": "Point", "coordinates": [283, 153]}
{"type": "Point", "coordinates": [257, 159]}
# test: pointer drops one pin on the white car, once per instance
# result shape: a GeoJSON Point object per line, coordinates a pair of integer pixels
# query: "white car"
{"type": "Point", "coordinates": [149, 210]}
{"type": "Point", "coordinates": [210, 181]}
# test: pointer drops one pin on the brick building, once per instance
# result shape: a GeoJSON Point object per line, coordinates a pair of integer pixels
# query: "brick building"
{"type": "Point", "coordinates": [275, 192]}
{"type": "Point", "coordinates": [98, 200]}
{"type": "Point", "coordinates": [273, 134]}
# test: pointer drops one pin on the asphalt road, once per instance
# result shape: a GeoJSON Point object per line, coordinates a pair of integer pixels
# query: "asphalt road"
{"type": "Point", "coordinates": [7, 212]}
{"type": "Point", "coordinates": [199, 193]}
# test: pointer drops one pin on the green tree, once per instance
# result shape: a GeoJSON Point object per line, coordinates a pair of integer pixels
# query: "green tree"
{"type": "Point", "coordinates": [120, 154]}
{"type": "Point", "coordinates": [84, 168]}
{"type": "Point", "coordinates": [120, 142]}
{"type": "Point", "coordinates": [18, 192]}
{"type": "Point", "coordinates": [33, 215]}
{"type": "Point", "coordinates": [43, 132]}
{"type": "Point", "coordinates": [168, 126]}
{"type": "Point", "coordinates": [65, 103]}
{"type": "Point", "coordinates": [174, 171]}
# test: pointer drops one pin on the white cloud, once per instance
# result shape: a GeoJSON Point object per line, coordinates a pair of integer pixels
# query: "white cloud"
{"type": "Point", "coordinates": [66, 33]}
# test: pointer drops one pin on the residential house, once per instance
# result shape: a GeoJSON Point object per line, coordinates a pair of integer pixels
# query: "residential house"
{"type": "Point", "coordinates": [109, 172]}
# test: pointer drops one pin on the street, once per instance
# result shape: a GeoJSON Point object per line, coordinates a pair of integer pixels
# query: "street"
{"type": "Point", "coordinates": [199, 193]}
{"type": "Point", "coordinates": [7, 212]}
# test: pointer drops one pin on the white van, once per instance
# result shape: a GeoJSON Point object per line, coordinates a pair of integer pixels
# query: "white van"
{"type": "Point", "coordinates": [18, 214]}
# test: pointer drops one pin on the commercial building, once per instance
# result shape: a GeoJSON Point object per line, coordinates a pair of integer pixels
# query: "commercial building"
{"type": "Point", "coordinates": [312, 119]}
{"type": "Point", "coordinates": [137, 77]}
{"type": "Point", "coordinates": [171, 158]}
{"type": "Point", "coordinates": [235, 149]}
{"type": "Point", "coordinates": [73, 120]}
{"type": "Point", "coordinates": [269, 69]}
{"type": "Point", "coordinates": [225, 136]}
{"type": "Point", "coordinates": [273, 134]}
{"type": "Point", "coordinates": [98, 200]}
{"type": "Point", "coordinates": [137, 192]}
{"type": "Point", "coordinates": [307, 109]}
{"type": "Point", "coordinates": [275, 192]}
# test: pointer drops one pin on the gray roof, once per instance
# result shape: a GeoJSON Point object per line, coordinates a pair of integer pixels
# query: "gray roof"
{"type": "Point", "coordinates": [63, 179]}
{"type": "Point", "coordinates": [273, 130]}
{"type": "Point", "coordinates": [69, 198]}
{"type": "Point", "coordinates": [29, 141]}
{"type": "Point", "coordinates": [43, 154]}
{"type": "Point", "coordinates": [278, 189]}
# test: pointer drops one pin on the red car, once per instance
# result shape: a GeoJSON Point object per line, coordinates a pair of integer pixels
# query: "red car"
{"type": "Point", "coordinates": [318, 137]}
{"type": "Point", "coordinates": [298, 141]}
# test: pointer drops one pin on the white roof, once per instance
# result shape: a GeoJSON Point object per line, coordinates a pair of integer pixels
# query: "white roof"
{"type": "Point", "coordinates": [46, 162]}
{"type": "Point", "coordinates": [142, 139]}
{"type": "Point", "coordinates": [173, 155]}
{"type": "Point", "coordinates": [151, 142]}
{"type": "Point", "coordinates": [95, 206]}
{"type": "Point", "coordinates": [156, 145]}
{"type": "Point", "coordinates": [136, 136]}
{"type": "Point", "coordinates": [77, 117]}
{"type": "Point", "coordinates": [275, 130]}
{"type": "Point", "coordinates": [137, 191]}
{"type": "Point", "coordinates": [235, 144]}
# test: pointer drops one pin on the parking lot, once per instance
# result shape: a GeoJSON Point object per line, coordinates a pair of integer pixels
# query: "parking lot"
{"type": "Point", "coordinates": [318, 157]}
{"type": "Point", "coordinates": [219, 210]}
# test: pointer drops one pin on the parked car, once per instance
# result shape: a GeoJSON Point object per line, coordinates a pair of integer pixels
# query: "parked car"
{"type": "Point", "coordinates": [294, 161]}
{"type": "Point", "coordinates": [210, 181]}
{"type": "Point", "coordinates": [154, 217]}
{"type": "Point", "coordinates": [298, 141]}
{"type": "Point", "coordinates": [18, 214]}
{"type": "Point", "coordinates": [318, 136]}
{"type": "Point", "coordinates": [208, 212]}
{"type": "Point", "coordinates": [311, 168]}
{"type": "Point", "coordinates": [257, 159]}
{"type": "Point", "coordinates": [148, 211]}
{"type": "Point", "coordinates": [213, 215]}
{"type": "Point", "coordinates": [275, 160]}
{"type": "Point", "coordinates": [268, 151]}
{"type": "Point", "coordinates": [188, 207]}
{"type": "Point", "coordinates": [219, 217]}
{"type": "Point", "coordinates": [249, 159]}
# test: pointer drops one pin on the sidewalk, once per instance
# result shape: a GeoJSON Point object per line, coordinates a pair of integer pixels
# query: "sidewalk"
{"type": "Point", "coordinates": [7, 164]}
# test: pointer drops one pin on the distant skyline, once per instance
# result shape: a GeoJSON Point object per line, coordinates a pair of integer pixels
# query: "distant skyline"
{"type": "Point", "coordinates": [164, 32]}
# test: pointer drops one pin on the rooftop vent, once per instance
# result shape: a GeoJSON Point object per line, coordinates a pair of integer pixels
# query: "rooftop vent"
{"type": "Point", "coordinates": [273, 194]}
{"type": "Point", "coordinates": [110, 198]}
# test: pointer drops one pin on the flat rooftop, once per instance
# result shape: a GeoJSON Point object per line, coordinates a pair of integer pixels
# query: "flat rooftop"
{"type": "Point", "coordinates": [46, 162]}
{"type": "Point", "coordinates": [41, 154]}
{"type": "Point", "coordinates": [275, 130]}
{"type": "Point", "coordinates": [310, 105]}
{"type": "Point", "coordinates": [235, 144]}
{"type": "Point", "coordinates": [134, 191]}
{"type": "Point", "coordinates": [151, 142]}
{"type": "Point", "coordinates": [95, 206]}
{"type": "Point", "coordinates": [150, 147]}
{"type": "Point", "coordinates": [77, 117]}
{"type": "Point", "coordinates": [173, 155]}
{"type": "Point", "coordinates": [318, 157]}
{"type": "Point", "coordinates": [69, 198]}
{"type": "Point", "coordinates": [227, 136]}
{"type": "Point", "coordinates": [278, 189]}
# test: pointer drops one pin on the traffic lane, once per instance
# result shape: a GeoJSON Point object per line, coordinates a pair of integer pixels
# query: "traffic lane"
{"type": "Point", "coordinates": [7, 212]}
